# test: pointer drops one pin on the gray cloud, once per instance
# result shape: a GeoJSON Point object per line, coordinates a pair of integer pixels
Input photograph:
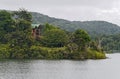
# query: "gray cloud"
{"type": "Point", "coordinates": [55, 3]}
{"type": "Point", "coordinates": [108, 10]}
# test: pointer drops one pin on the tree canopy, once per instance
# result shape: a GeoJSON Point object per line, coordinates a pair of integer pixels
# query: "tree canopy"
{"type": "Point", "coordinates": [55, 38]}
{"type": "Point", "coordinates": [17, 39]}
{"type": "Point", "coordinates": [81, 38]}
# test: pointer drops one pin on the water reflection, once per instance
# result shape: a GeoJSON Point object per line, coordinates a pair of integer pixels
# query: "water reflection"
{"type": "Point", "coordinates": [61, 69]}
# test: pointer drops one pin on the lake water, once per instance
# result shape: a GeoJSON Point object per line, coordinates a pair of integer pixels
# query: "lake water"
{"type": "Point", "coordinates": [61, 69]}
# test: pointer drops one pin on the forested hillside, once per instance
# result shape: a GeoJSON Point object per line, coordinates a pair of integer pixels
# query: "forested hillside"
{"type": "Point", "coordinates": [97, 29]}
{"type": "Point", "coordinates": [111, 43]}
{"type": "Point", "coordinates": [94, 28]}
{"type": "Point", "coordinates": [19, 40]}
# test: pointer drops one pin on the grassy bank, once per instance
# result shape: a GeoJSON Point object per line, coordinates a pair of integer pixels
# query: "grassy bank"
{"type": "Point", "coordinates": [38, 52]}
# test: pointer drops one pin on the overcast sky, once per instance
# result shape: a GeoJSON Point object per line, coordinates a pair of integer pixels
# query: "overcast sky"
{"type": "Point", "coordinates": [78, 10]}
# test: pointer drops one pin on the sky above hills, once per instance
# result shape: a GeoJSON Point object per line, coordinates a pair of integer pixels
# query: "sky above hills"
{"type": "Point", "coordinates": [78, 10]}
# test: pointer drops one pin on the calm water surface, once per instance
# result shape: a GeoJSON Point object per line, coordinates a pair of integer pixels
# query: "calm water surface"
{"type": "Point", "coordinates": [61, 69]}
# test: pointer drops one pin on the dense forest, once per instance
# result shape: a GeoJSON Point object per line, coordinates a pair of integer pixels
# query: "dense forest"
{"type": "Point", "coordinates": [94, 28]}
{"type": "Point", "coordinates": [103, 31]}
{"type": "Point", "coordinates": [111, 43]}
{"type": "Point", "coordinates": [19, 40]}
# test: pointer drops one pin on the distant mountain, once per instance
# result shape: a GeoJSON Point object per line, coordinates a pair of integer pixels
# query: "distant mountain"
{"type": "Point", "coordinates": [94, 28]}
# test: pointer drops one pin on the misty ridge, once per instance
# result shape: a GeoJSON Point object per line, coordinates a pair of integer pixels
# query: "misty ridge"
{"type": "Point", "coordinates": [94, 28]}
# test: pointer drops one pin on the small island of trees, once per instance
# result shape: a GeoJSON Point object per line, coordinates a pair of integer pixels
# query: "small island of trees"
{"type": "Point", "coordinates": [51, 42]}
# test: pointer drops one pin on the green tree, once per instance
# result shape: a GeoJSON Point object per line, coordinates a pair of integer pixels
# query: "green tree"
{"type": "Point", "coordinates": [20, 39]}
{"type": "Point", "coordinates": [23, 19]}
{"type": "Point", "coordinates": [6, 24]}
{"type": "Point", "coordinates": [93, 45]}
{"type": "Point", "coordinates": [49, 27]}
{"type": "Point", "coordinates": [22, 34]}
{"type": "Point", "coordinates": [23, 25]}
{"type": "Point", "coordinates": [81, 38]}
{"type": "Point", "coordinates": [55, 38]}
{"type": "Point", "coordinates": [23, 14]}
{"type": "Point", "coordinates": [6, 21]}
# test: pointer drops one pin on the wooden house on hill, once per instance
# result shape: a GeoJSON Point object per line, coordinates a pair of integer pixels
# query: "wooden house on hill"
{"type": "Point", "coordinates": [37, 31]}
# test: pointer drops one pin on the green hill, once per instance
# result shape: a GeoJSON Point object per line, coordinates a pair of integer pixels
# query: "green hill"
{"type": "Point", "coordinates": [94, 28]}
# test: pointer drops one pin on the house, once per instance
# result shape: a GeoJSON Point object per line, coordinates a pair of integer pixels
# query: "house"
{"type": "Point", "coordinates": [37, 31]}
